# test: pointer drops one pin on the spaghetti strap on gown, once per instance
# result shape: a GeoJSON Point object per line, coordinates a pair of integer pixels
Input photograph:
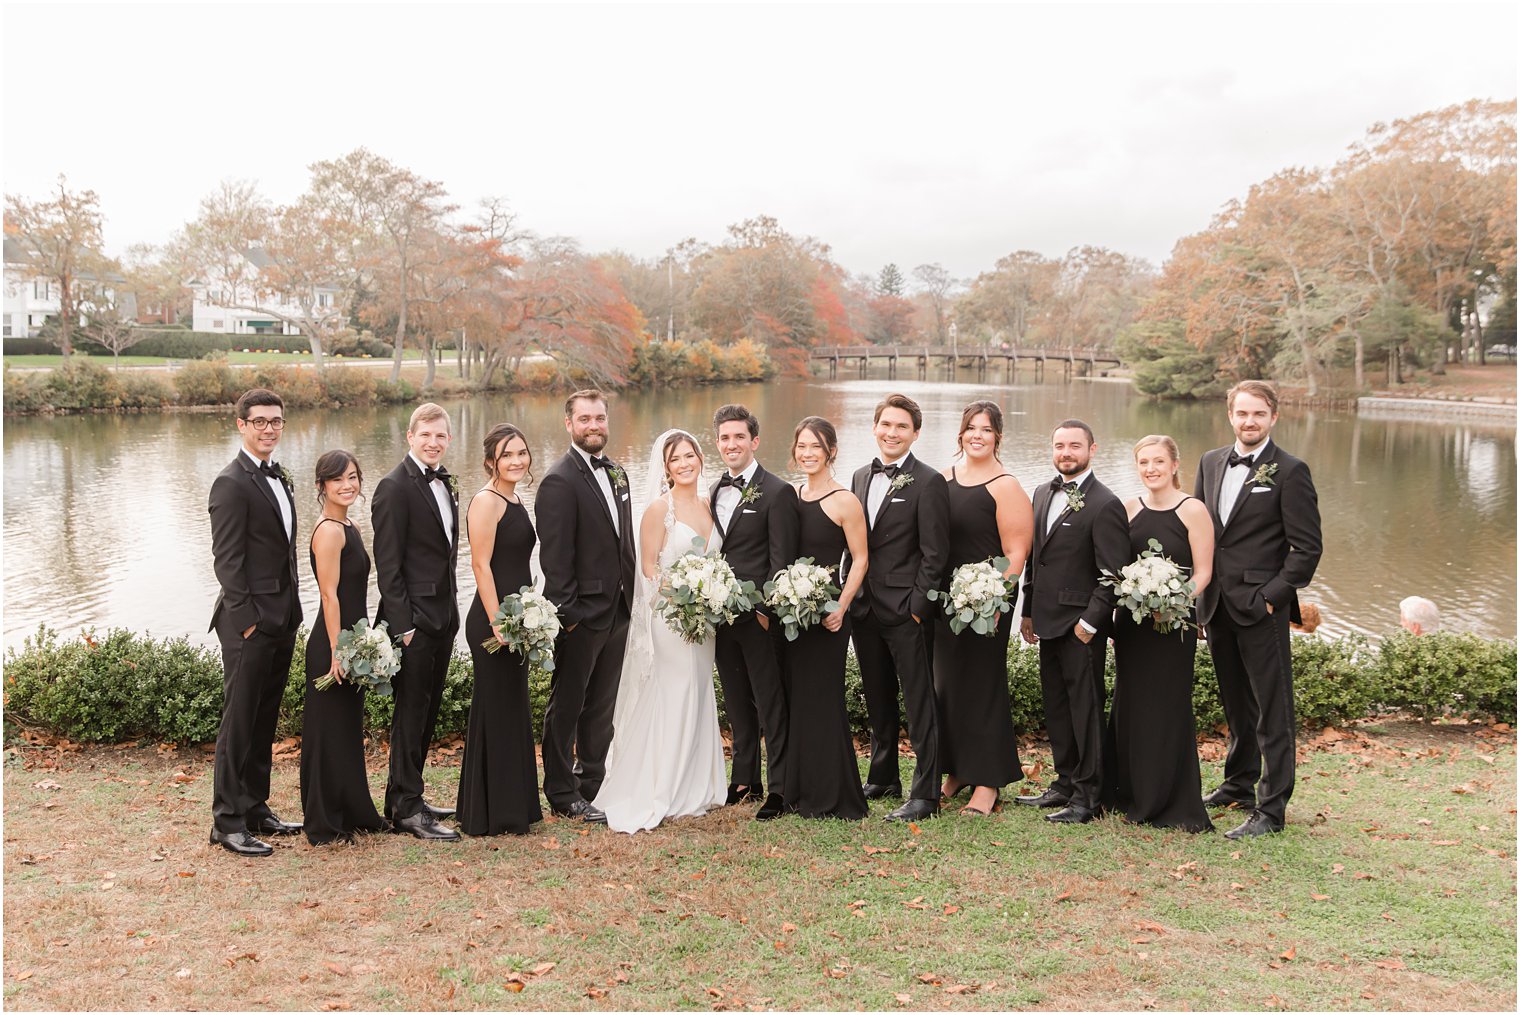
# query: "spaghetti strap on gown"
{"type": "Point", "coordinates": [335, 796]}
{"type": "Point", "coordinates": [498, 779]}
{"type": "Point", "coordinates": [823, 777]}
{"type": "Point", "coordinates": [1154, 778]}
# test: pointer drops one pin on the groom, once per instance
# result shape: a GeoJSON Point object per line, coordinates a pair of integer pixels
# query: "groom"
{"type": "Point", "coordinates": [1266, 546]}
{"type": "Point", "coordinates": [907, 507]}
{"type": "Point", "coordinates": [756, 514]}
{"type": "Point", "coordinates": [253, 546]}
{"type": "Point", "coordinates": [586, 549]}
{"type": "Point", "coordinates": [416, 520]}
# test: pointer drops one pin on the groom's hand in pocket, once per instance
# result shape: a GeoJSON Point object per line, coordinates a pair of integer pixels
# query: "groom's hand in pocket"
{"type": "Point", "coordinates": [248, 633]}
{"type": "Point", "coordinates": [765, 625]}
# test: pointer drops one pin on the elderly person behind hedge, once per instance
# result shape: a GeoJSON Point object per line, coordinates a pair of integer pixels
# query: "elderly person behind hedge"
{"type": "Point", "coordinates": [1419, 616]}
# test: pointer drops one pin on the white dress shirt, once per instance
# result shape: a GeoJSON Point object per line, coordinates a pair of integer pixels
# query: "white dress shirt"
{"type": "Point", "coordinates": [604, 481]}
{"type": "Point", "coordinates": [441, 495]}
{"type": "Point", "coordinates": [1058, 499]}
{"type": "Point", "coordinates": [1235, 479]}
{"type": "Point", "coordinates": [876, 492]}
{"type": "Point", "coordinates": [281, 497]}
{"type": "Point", "coordinates": [729, 496]}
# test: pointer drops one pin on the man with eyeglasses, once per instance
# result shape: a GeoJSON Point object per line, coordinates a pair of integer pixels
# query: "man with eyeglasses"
{"type": "Point", "coordinates": [253, 546]}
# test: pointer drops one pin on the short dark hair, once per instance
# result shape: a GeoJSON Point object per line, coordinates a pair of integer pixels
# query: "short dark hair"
{"type": "Point", "coordinates": [584, 394]}
{"type": "Point", "coordinates": [332, 465]}
{"type": "Point", "coordinates": [736, 413]}
{"type": "Point", "coordinates": [903, 402]}
{"type": "Point", "coordinates": [499, 435]}
{"type": "Point", "coordinates": [824, 431]}
{"type": "Point", "coordinates": [257, 396]}
{"type": "Point", "coordinates": [1075, 424]}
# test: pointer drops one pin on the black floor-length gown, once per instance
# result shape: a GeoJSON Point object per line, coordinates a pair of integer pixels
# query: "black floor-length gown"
{"type": "Point", "coordinates": [976, 741]}
{"type": "Point", "coordinates": [498, 779]}
{"type": "Point", "coordinates": [335, 796]}
{"type": "Point", "coordinates": [1154, 777]}
{"type": "Point", "coordinates": [822, 773]}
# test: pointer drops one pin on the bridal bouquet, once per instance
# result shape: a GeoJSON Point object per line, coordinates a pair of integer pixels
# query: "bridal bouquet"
{"type": "Point", "coordinates": [367, 656]}
{"type": "Point", "coordinates": [978, 593]}
{"type": "Point", "coordinates": [1155, 585]}
{"type": "Point", "coordinates": [529, 623]}
{"type": "Point", "coordinates": [700, 592]}
{"type": "Point", "coordinates": [801, 593]}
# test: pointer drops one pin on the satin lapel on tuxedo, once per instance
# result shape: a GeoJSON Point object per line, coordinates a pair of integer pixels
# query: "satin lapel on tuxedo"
{"type": "Point", "coordinates": [712, 508]}
{"type": "Point", "coordinates": [1216, 486]}
{"type": "Point", "coordinates": [425, 489]}
{"type": "Point", "coordinates": [886, 500]}
{"type": "Point", "coordinates": [1041, 506]}
{"type": "Point", "coordinates": [861, 488]}
{"type": "Point", "coordinates": [1248, 486]}
{"type": "Point", "coordinates": [1066, 512]}
{"type": "Point", "coordinates": [269, 495]}
{"type": "Point", "coordinates": [589, 475]}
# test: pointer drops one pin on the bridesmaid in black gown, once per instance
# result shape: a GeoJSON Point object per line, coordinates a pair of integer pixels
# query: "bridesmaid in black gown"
{"type": "Point", "coordinates": [498, 780]}
{"type": "Point", "coordinates": [823, 775]}
{"type": "Point", "coordinates": [990, 516]}
{"type": "Point", "coordinates": [1154, 775]}
{"type": "Point", "coordinates": [334, 785]}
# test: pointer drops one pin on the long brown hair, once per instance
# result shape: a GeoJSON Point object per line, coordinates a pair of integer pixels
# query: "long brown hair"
{"type": "Point", "coordinates": [994, 416]}
{"type": "Point", "coordinates": [498, 435]}
{"type": "Point", "coordinates": [824, 431]}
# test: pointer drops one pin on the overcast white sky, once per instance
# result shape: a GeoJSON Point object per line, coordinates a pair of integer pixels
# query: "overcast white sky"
{"type": "Point", "coordinates": [894, 133]}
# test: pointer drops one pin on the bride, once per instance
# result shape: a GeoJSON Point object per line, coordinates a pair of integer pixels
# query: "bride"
{"type": "Point", "coordinates": [666, 759]}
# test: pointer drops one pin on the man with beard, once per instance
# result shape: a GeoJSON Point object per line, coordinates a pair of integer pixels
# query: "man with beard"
{"type": "Point", "coordinates": [1080, 531]}
{"type": "Point", "coordinates": [586, 549]}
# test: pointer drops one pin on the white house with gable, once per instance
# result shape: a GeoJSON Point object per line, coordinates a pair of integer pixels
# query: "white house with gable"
{"type": "Point", "coordinates": [244, 312]}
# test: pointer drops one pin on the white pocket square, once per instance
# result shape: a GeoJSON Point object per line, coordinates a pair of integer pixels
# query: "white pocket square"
{"type": "Point", "coordinates": [1066, 525]}
{"type": "Point", "coordinates": [748, 511]}
{"type": "Point", "coordinates": [898, 500]}
{"type": "Point", "coordinates": [625, 496]}
{"type": "Point", "coordinates": [1262, 489]}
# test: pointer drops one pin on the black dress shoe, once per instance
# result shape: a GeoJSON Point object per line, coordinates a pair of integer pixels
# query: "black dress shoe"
{"type": "Point", "coordinates": [915, 810]}
{"type": "Point", "coordinates": [1257, 824]}
{"type": "Point", "coordinates": [438, 812]}
{"type": "Point", "coordinates": [738, 794]}
{"type": "Point", "coordinates": [272, 825]}
{"type": "Point", "coordinates": [424, 826]}
{"type": "Point", "coordinates": [241, 843]}
{"type": "Point", "coordinates": [1049, 798]}
{"type": "Point", "coordinates": [582, 810]}
{"type": "Point", "coordinates": [880, 791]}
{"type": "Point", "coordinates": [1222, 798]}
{"type": "Point", "coordinates": [773, 807]}
{"type": "Point", "coordinates": [1072, 814]}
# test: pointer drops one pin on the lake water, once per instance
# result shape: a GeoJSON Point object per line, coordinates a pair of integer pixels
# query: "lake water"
{"type": "Point", "coordinates": [105, 516]}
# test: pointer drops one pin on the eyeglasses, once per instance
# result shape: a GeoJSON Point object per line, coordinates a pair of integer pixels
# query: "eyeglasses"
{"type": "Point", "coordinates": [265, 423]}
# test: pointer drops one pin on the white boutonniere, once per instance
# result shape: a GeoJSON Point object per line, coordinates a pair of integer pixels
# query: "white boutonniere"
{"type": "Point", "coordinates": [618, 476]}
{"type": "Point", "coordinates": [750, 493]}
{"type": "Point", "coordinates": [1264, 474]}
{"type": "Point", "coordinates": [1074, 498]}
{"type": "Point", "coordinates": [283, 474]}
{"type": "Point", "coordinates": [452, 482]}
{"type": "Point", "coordinates": [902, 480]}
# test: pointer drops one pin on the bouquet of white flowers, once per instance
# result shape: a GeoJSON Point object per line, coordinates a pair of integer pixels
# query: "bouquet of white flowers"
{"type": "Point", "coordinates": [367, 657]}
{"type": "Point", "coordinates": [529, 623]}
{"type": "Point", "coordinates": [1154, 585]}
{"type": "Point", "coordinates": [978, 593]}
{"type": "Point", "coordinates": [801, 593]}
{"type": "Point", "coordinates": [700, 592]}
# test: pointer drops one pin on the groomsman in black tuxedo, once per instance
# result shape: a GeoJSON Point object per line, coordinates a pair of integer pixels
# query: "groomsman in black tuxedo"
{"type": "Point", "coordinates": [1080, 530]}
{"type": "Point", "coordinates": [586, 539]}
{"type": "Point", "coordinates": [907, 507]}
{"type": "Point", "coordinates": [253, 540]}
{"type": "Point", "coordinates": [1266, 546]}
{"type": "Point", "coordinates": [416, 519]}
{"type": "Point", "coordinates": [756, 514]}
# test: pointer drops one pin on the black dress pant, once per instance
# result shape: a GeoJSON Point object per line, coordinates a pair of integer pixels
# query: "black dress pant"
{"type": "Point", "coordinates": [1254, 666]}
{"type": "Point", "coordinates": [889, 653]}
{"type": "Point", "coordinates": [1071, 682]}
{"type": "Point", "coordinates": [588, 665]}
{"type": "Point", "coordinates": [418, 691]}
{"type": "Point", "coordinates": [254, 672]}
{"type": "Point", "coordinates": [754, 700]}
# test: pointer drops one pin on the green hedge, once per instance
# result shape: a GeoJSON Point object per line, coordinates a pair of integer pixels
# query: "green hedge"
{"type": "Point", "coordinates": [122, 686]}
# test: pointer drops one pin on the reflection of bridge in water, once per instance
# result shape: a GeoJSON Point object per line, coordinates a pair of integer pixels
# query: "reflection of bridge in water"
{"type": "Point", "coordinates": [1073, 362]}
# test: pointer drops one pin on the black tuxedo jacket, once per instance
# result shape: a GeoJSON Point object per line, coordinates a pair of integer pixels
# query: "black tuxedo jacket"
{"type": "Point", "coordinates": [1270, 546]}
{"type": "Point", "coordinates": [909, 544]}
{"type": "Point", "coordinates": [414, 557]}
{"type": "Point", "coordinates": [255, 563]}
{"type": "Point", "coordinates": [761, 537]}
{"type": "Point", "coordinates": [1061, 578]}
{"type": "Point", "coordinates": [588, 565]}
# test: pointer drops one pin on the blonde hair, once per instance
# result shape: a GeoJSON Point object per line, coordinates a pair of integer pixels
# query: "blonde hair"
{"type": "Point", "coordinates": [1171, 449]}
{"type": "Point", "coordinates": [426, 413]}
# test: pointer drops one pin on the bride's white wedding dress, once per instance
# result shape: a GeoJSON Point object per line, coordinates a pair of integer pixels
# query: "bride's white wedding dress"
{"type": "Point", "coordinates": [666, 759]}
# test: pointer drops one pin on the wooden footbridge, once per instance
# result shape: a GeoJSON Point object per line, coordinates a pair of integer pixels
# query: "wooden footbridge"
{"type": "Point", "coordinates": [1071, 361]}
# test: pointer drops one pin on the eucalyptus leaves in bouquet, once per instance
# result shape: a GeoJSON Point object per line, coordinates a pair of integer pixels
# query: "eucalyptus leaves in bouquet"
{"type": "Point", "coordinates": [367, 658]}
{"type": "Point", "coordinates": [801, 593]}
{"type": "Point", "coordinates": [1153, 585]}
{"type": "Point", "coordinates": [978, 594]}
{"type": "Point", "coordinates": [528, 623]}
{"type": "Point", "coordinates": [701, 592]}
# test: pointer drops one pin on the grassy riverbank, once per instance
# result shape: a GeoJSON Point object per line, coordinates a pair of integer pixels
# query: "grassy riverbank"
{"type": "Point", "coordinates": [1392, 888]}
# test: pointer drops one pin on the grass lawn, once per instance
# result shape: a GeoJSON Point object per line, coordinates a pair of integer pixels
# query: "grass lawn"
{"type": "Point", "coordinates": [1393, 888]}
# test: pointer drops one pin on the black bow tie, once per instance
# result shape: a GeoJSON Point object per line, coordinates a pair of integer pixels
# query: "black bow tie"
{"type": "Point", "coordinates": [1234, 460]}
{"type": "Point", "coordinates": [601, 463]}
{"type": "Point", "coordinates": [734, 481]}
{"type": "Point", "coordinates": [429, 474]}
{"type": "Point", "coordinates": [270, 469]}
{"type": "Point", "coordinates": [1061, 483]}
{"type": "Point", "coordinates": [889, 470]}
